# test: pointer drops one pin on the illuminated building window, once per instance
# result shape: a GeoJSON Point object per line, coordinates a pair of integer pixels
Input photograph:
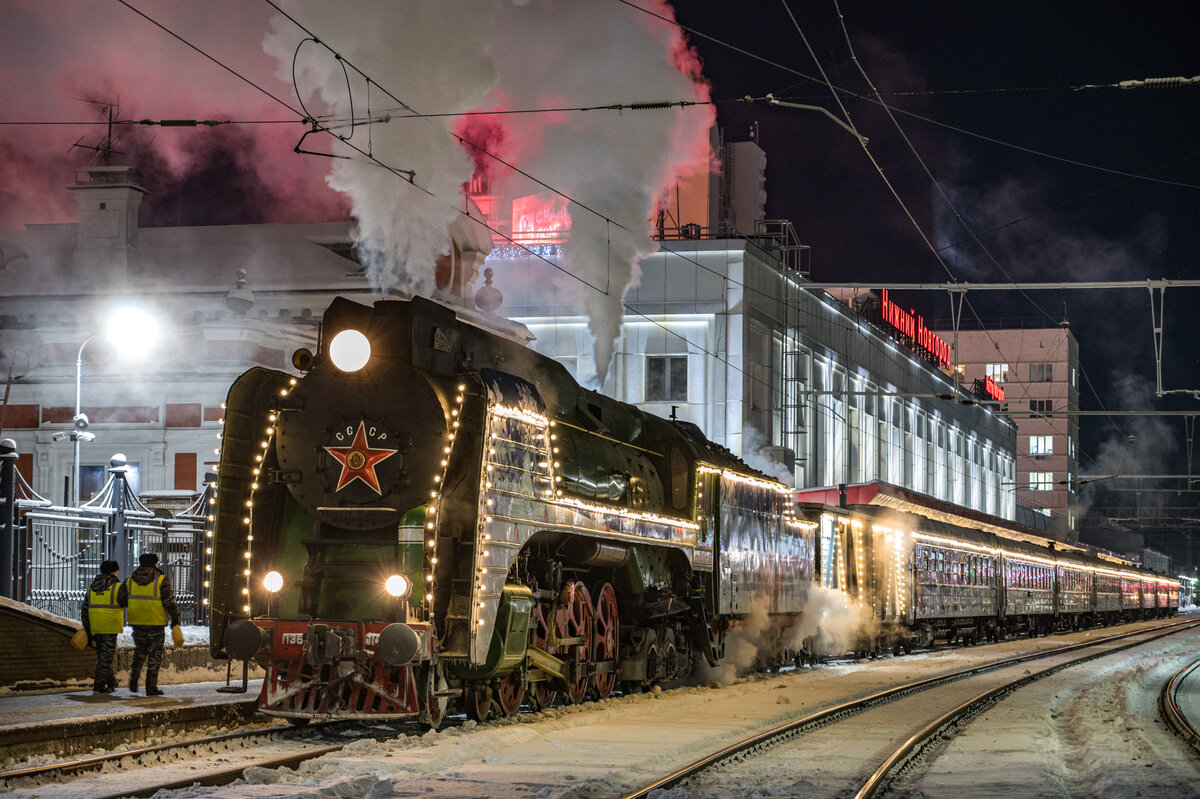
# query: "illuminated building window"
{"type": "Point", "coordinates": [666, 378]}
{"type": "Point", "coordinates": [1041, 481]}
{"type": "Point", "coordinates": [1041, 406]}
{"type": "Point", "coordinates": [1040, 446]}
{"type": "Point", "coordinates": [1041, 372]}
{"type": "Point", "coordinates": [997, 371]}
{"type": "Point", "coordinates": [93, 478]}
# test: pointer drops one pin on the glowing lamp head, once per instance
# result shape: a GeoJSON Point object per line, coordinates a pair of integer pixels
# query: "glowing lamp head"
{"type": "Point", "coordinates": [398, 585]}
{"type": "Point", "coordinates": [273, 582]}
{"type": "Point", "coordinates": [350, 350]}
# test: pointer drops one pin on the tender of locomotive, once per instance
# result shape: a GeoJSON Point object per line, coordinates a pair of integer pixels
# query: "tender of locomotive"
{"type": "Point", "coordinates": [433, 512]}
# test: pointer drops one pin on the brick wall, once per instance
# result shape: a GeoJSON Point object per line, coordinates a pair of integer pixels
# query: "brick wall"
{"type": "Point", "coordinates": [35, 648]}
{"type": "Point", "coordinates": [36, 652]}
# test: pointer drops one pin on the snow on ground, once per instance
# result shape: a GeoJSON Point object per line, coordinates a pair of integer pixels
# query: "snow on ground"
{"type": "Point", "coordinates": [1091, 730]}
{"type": "Point", "coordinates": [192, 636]}
{"type": "Point", "coordinates": [602, 749]}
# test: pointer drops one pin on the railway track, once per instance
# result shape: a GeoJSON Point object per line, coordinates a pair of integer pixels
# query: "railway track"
{"type": "Point", "coordinates": [159, 766]}
{"type": "Point", "coordinates": [1172, 713]}
{"type": "Point", "coordinates": [904, 755]}
{"type": "Point", "coordinates": [221, 744]}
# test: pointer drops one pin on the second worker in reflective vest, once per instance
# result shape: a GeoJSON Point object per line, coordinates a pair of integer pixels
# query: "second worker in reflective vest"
{"type": "Point", "coordinates": [151, 604]}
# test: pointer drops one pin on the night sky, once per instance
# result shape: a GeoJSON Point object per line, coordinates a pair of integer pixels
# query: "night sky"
{"type": "Point", "coordinates": [1056, 182]}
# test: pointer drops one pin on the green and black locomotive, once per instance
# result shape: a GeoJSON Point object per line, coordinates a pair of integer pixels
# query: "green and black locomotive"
{"type": "Point", "coordinates": [432, 513]}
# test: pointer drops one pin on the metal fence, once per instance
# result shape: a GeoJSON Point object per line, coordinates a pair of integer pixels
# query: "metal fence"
{"type": "Point", "coordinates": [52, 553]}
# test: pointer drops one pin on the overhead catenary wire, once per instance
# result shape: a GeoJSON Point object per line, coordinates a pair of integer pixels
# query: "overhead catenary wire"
{"type": "Point", "coordinates": [932, 179]}
{"type": "Point", "coordinates": [691, 346]}
{"type": "Point", "coordinates": [410, 179]}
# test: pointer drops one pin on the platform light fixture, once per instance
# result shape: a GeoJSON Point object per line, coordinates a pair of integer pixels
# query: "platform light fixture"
{"type": "Point", "coordinates": [132, 331]}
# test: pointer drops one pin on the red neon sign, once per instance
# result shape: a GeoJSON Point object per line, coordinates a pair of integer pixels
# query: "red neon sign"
{"type": "Point", "coordinates": [540, 219]}
{"type": "Point", "coordinates": [909, 324]}
{"type": "Point", "coordinates": [993, 389]}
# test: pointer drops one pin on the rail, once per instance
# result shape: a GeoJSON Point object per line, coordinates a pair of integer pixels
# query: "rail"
{"type": "Point", "coordinates": [844, 710]}
{"type": "Point", "coordinates": [1168, 706]}
{"type": "Point", "coordinates": [885, 775]}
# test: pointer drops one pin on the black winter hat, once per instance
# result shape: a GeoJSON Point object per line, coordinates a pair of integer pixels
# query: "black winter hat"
{"type": "Point", "coordinates": [149, 559]}
{"type": "Point", "coordinates": [109, 567]}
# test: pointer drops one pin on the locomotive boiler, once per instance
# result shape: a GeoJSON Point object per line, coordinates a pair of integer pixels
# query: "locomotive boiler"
{"type": "Point", "coordinates": [432, 513]}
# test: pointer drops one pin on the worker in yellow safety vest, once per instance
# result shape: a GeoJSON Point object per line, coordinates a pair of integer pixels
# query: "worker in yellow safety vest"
{"type": "Point", "coordinates": [151, 602]}
{"type": "Point", "coordinates": [103, 617]}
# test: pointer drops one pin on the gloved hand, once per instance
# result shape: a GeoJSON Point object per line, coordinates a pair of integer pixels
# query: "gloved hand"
{"type": "Point", "coordinates": [177, 636]}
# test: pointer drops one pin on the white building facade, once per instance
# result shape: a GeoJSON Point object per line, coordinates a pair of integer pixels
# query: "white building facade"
{"type": "Point", "coordinates": [719, 332]}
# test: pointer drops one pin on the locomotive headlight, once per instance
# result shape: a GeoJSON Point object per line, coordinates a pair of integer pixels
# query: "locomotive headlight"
{"type": "Point", "coordinates": [398, 585]}
{"type": "Point", "coordinates": [350, 350]}
{"type": "Point", "coordinates": [273, 582]}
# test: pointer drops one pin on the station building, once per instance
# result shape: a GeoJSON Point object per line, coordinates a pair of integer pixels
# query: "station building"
{"type": "Point", "coordinates": [1036, 372]}
{"type": "Point", "coordinates": [721, 330]}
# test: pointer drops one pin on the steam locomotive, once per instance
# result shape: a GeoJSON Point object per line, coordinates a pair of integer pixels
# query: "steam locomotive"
{"type": "Point", "coordinates": [434, 513]}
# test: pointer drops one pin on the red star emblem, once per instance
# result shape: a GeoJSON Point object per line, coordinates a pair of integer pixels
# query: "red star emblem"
{"type": "Point", "coordinates": [358, 461]}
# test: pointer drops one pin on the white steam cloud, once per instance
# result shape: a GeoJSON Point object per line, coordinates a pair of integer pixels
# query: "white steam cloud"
{"type": "Point", "coordinates": [756, 454]}
{"type": "Point", "coordinates": [831, 624]}
{"type": "Point", "coordinates": [454, 57]}
{"type": "Point", "coordinates": [433, 57]}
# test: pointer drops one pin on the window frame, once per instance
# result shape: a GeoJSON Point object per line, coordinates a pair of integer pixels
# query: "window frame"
{"type": "Point", "coordinates": [669, 390]}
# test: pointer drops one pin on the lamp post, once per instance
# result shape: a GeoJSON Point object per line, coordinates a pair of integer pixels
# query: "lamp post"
{"type": "Point", "coordinates": [132, 331]}
{"type": "Point", "coordinates": [79, 421]}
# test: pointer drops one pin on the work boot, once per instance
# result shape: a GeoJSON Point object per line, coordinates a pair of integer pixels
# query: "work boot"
{"type": "Point", "coordinates": [97, 688]}
{"type": "Point", "coordinates": [152, 688]}
{"type": "Point", "coordinates": [135, 673]}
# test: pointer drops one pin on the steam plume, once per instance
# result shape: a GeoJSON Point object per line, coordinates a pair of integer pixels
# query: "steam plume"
{"type": "Point", "coordinates": [430, 56]}
{"type": "Point", "coordinates": [510, 56]}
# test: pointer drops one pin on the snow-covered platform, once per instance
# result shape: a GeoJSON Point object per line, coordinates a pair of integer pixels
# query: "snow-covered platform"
{"type": "Point", "coordinates": [71, 723]}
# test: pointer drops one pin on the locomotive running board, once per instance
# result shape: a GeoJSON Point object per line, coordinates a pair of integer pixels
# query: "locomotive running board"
{"type": "Point", "coordinates": [546, 662]}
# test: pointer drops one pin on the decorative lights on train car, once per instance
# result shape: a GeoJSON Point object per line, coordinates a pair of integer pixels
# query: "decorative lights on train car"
{"type": "Point", "coordinates": [504, 434]}
{"type": "Point", "coordinates": [857, 529]}
{"type": "Point", "coordinates": [247, 521]}
{"type": "Point", "coordinates": [350, 350]}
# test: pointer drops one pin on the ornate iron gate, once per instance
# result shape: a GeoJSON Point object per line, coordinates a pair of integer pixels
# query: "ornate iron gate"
{"type": "Point", "coordinates": [51, 552]}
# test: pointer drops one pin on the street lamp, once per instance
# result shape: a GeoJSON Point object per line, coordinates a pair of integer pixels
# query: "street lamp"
{"type": "Point", "coordinates": [132, 331]}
